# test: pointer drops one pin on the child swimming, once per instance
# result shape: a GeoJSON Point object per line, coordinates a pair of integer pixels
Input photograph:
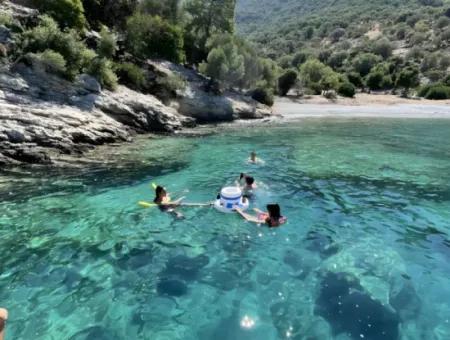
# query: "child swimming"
{"type": "Point", "coordinates": [248, 186]}
{"type": "Point", "coordinates": [272, 217]}
{"type": "Point", "coordinates": [254, 159]}
{"type": "Point", "coordinates": [164, 202]}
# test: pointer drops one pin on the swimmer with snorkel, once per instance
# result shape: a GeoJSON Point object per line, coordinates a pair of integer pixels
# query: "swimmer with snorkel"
{"type": "Point", "coordinates": [272, 217]}
{"type": "Point", "coordinates": [164, 202]}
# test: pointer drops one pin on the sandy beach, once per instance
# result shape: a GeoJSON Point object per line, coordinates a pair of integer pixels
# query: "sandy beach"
{"type": "Point", "coordinates": [363, 105]}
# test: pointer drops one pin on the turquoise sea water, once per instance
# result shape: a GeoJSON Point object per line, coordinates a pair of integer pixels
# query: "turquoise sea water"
{"type": "Point", "coordinates": [365, 253]}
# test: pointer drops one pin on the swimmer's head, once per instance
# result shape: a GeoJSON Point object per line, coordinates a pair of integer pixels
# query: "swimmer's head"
{"type": "Point", "coordinates": [274, 211]}
{"type": "Point", "coordinates": [249, 180]}
{"type": "Point", "coordinates": [160, 191]}
{"type": "Point", "coordinates": [253, 156]}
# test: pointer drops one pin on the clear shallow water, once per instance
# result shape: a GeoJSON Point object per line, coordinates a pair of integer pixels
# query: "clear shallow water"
{"type": "Point", "coordinates": [365, 254]}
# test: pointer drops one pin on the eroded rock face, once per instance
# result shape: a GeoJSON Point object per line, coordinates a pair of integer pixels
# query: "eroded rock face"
{"type": "Point", "coordinates": [43, 116]}
{"type": "Point", "coordinates": [198, 101]}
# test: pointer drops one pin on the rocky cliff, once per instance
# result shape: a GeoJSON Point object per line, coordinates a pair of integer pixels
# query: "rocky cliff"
{"type": "Point", "coordinates": [44, 117]}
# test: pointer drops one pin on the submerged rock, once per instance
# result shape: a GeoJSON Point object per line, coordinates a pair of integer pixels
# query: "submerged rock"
{"type": "Point", "coordinates": [322, 244]}
{"type": "Point", "coordinates": [171, 287]}
{"type": "Point", "coordinates": [349, 309]}
{"type": "Point", "coordinates": [405, 300]}
{"type": "Point", "coordinates": [185, 267]}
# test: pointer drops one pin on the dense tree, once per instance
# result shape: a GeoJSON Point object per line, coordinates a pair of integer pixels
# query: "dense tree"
{"type": "Point", "coordinates": [337, 34]}
{"type": "Point", "coordinates": [383, 48]}
{"type": "Point", "coordinates": [318, 76]}
{"type": "Point", "coordinates": [152, 37]}
{"type": "Point", "coordinates": [206, 18]}
{"type": "Point", "coordinates": [286, 81]}
{"type": "Point", "coordinates": [363, 63]}
{"type": "Point", "coordinates": [168, 9]}
{"type": "Point", "coordinates": [407, 79]}
{"type": "Point", "coordinates": [347, 89]}
{"type": "Point", "coordinates": [112, 13]}
{"type": "Point", "coordinates": [68, 13]}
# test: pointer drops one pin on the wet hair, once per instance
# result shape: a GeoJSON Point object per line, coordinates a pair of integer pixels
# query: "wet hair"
{"type": "Point", "coordinates": [158, 192]}
{"type": "Point", "coordinates": [2, 324]}
{"type": "Point", "coordinates": [274, 211]}
{"type": "Point", "coordinates": [249, 180]}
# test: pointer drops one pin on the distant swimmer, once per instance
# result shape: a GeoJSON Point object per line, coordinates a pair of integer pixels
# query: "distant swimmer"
{"type": "Point", "coordinates": [272, 217]}
{"type": "Point", "coordinates": [163, 200]}
{"type": "Point", "coordinates": [248, 186]}
{"type": "Point", "coordinates": [3, 318]}
{"type": "Point", "coordinates": [254, 159]}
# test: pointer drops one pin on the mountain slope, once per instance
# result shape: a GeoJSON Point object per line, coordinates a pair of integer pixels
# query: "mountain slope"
{"type": "Point", "coordinates": [282, 26]}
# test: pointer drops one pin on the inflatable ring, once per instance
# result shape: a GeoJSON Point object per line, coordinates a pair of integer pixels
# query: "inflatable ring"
{"type": "Point", "coordinates": [243, 205]}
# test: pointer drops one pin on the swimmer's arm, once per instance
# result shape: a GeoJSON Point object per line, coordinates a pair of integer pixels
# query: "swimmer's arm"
{"type": "Point", "coordinates": [248, 217]}
{"type": "Point", "coordinates": [258, 211]}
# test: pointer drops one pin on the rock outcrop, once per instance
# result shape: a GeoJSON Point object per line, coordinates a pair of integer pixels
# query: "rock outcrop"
{"type": "Point", "coordinates": [43, 116]}
{"type": "Point", "coordinates": [199, 101]}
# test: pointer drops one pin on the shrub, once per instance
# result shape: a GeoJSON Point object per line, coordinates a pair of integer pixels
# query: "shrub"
{"type": "Point", "coordinates": [337, 59]}
{"type": "Point", "coordinates": [442, 22]}
{"type": "Point", "coordinates": [318, 76]}
{"type": "Point", "coordinates": [300, 58]}
{"type": "Point", "coordinates": [172, 83]}
{"type": "Point", "coordinates": [408, 78]}
{"type": "Point", "coordinates": [47, 61]}
{"type": "Point", "coordinates": [131, 75]}
{"type": "Point", "coordinates": [153, 37]}
{"type": "Point", "coordinates": [263, 96]}
{"type": "Point", "coordinates": [383, 47]}
{"type": "Point", "coordinates": [47, 35]}
{"type": "Point", "coordinates": [285, 61]}
{"type": "Point", "coordinates": [287, 81]}
{"type": "Point", "coordinates": [435, 75]}
{"type": "Point", "coordinates": [330, 95]}
{"type": "Point", "coordinates": [355, 79]}
{"type": "Point", "coordinates": [107, 46]}
{"type": "Point", "coordinates": [363, 63]}
{"type": "Point", "coordinates": [347, 89]}
{"type": "Point", "coordinates": [6, 19]}
{"type": "Point", "coordinates": [68, 13]}
{"type": "Point", "coordinates": [337, 34]}
{"type": "Point", "coordinates": [447, 80]}
{"type": "Point", "coordinates": [438, 92]}
{"type": "Point", "coordinates": [374, 80]}
{"type": "Point", "coordinates": [101, 68]}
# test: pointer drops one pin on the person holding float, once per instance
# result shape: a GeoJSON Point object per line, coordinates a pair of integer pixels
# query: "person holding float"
{"type": "Point", "coordinates": [164, 202]}
{"type": "Point", "coordinates": [272, 217]}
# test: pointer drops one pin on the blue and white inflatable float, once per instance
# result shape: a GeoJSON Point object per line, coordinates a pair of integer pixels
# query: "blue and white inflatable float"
{"type": "Point", "coordinates": [230, 199]}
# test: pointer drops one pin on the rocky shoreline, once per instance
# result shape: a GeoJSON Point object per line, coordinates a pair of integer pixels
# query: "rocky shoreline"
{"type": "Point", "coordinates": [44, 118]}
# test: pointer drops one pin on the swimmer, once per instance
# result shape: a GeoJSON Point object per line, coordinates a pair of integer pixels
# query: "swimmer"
{"type": "Point", "coordinates": [3, 318]}
{"type": "Point", "coordinates": [164, 202]}
{"type": "Point", "coordinates": [272, 217]}
{"type": "Point", "coordinates": [249, 185]}
{"type": "Point", "coordinates": [254, 159]}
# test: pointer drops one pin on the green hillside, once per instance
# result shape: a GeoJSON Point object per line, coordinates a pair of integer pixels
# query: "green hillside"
{"type": "Point", "coordinates": [367, 43]}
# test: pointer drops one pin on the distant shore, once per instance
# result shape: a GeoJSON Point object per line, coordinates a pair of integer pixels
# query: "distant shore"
{"type": "Point", "coordinates": [363, 105]}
